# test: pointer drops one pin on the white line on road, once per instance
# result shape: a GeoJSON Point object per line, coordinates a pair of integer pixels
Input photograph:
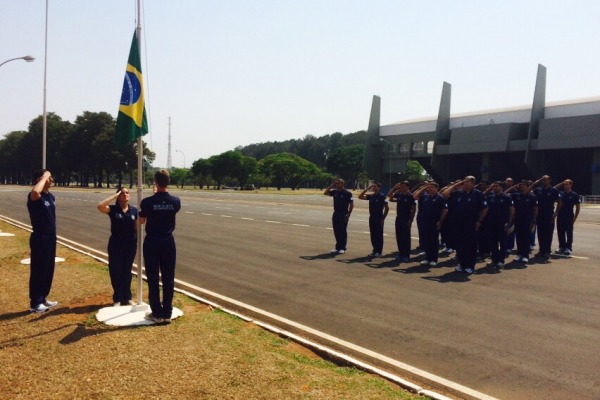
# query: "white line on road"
{"type": "Point", "coordinates": [205, 214]}
{"type": "Point", "coordinates": [349, 345]}
{"type": "Point", "coordinates": [225, 216]}
{"type": "Point", "coordinates": [273, 222]}
{"type": "Point", "coordinates": [189, 212]}
{"type": "Point", "coordinates": [248, 219]}
{"type": "Point", "coordinates": [301, 225]}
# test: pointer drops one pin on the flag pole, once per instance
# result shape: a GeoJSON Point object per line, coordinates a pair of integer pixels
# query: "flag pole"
{"type": "Point", "coordinates": [140, 183]}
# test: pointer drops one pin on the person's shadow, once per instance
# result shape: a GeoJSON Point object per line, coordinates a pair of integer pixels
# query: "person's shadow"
{"type": "Point", "coordinates": [384, 264]}
{"type": "Point", "coordinates": [415, 269]}
{"type": "Point", "coordinates": [452, 276]}
{"type": "Point", "coordinates": [361, 260]}
{"type": "Point", "coordinates": [323, 256]}
{"type": "Point", "coordinates": [14, 315]}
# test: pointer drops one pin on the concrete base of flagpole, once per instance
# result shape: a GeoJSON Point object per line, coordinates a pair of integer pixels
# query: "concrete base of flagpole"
{"type": "Point", "coordinates": [130, 315]}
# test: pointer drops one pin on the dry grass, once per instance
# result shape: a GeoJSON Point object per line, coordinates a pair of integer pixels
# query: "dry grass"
{"type": "Point", "coordinates": [67, 354]}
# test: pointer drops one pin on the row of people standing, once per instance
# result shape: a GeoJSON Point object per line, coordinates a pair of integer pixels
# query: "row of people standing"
{"type": "Point", "coordinates": [157, 213]}
{"type": "Point", "coordinates": [471, 221]}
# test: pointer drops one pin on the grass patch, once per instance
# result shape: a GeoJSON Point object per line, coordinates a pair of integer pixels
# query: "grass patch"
{"type": "Point", "coordinates": [203, 355]}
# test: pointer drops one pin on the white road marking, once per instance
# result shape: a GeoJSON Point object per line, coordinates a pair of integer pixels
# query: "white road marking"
{"type": "Point", "coordinates": [189, 212]}
{"type": "Point", "coordinates": [248, 219]}
{"type": "Point", "coordinates": [349, 345]}
{"type": "Point", "coordinates": [273, 222]}
{"type": "Point", "coordinates": [225, 216]}
{"type": "Point", "coordinates": [301, 225]}
{"type": "Point", "coordinates": [205, 214]}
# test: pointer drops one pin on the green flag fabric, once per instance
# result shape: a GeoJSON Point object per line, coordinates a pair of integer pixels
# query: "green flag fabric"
{"type": "Point", "coordinates": [131, 121]}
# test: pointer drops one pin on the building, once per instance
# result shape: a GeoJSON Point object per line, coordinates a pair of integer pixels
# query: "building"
{"type": "Point", "coordinates": [559, 139]}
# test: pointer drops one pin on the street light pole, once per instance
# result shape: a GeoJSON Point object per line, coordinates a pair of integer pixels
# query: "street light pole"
{"type": "Point", "coordinates": [26, 58]}
{"type": "Point", "coordinates": [390, 160]}
{"type": "Point", "coordinates": [179, 151]}
{"type": "Point", "coordinates": [44, 114]}
{"type": "Point", "coordinates": [184, 171]}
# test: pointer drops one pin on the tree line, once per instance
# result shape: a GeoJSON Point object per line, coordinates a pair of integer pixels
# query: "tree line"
{"type": "Point", "coordinates": [83, 153]}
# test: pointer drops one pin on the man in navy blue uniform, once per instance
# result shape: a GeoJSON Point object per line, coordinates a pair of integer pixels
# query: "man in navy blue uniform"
{"type": "Point", "coordinates": [500, 218]}
{"type": "Point", "coordinates": [448, 232]}
{"type": "Point", "coordinates": [158, 213]}
{"type": "Point", "coordinates": [41, 205]}
{"type": "Point", "coordinates": [405, 214]}
{"type": "Point", "coordinates": [343, 204]}
{"type": "Point", "coordinates": [471, 209]}
{"type": "Point", "coordinates": [526, 212]}
{"type": "Point", "coordinates": [547, 196]}
{"type": "Point", "coordinates": [378, 211]}
{"type": "Point", "coordinates": [431, 215]}
{"type": "Point", "coordinates": [566, 218]}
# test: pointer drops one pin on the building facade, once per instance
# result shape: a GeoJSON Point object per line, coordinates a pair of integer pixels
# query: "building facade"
{"type": "Point", "coordinates": [558, 139]}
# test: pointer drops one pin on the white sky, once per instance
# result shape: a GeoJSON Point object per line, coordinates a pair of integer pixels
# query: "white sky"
{"type": "Point", "coordinates": [235, 72]}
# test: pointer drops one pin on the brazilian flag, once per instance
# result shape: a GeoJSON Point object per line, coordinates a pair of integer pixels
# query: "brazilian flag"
{"type": "Point", "coordinates": [131, 121]}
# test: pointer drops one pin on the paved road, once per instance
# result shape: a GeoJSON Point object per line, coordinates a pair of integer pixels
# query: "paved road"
{"type": "Point", "coordinates": [522, 333]}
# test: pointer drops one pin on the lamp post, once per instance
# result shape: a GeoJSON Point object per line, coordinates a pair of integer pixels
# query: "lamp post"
{"type": "Point", "coordinates": [184, 171]}
{"type": "Point", "coordinates": [390, 158]}
{"type": "Point", "coordinates": [26, 58]}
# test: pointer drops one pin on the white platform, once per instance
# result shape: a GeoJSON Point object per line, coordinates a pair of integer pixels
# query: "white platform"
{"type": "Point", "coordinates": [27, 261]}
{"type": "Point", "coordinates": [130, 315]}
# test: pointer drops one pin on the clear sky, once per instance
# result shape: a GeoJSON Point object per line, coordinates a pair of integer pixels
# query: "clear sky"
{"type": "Point", "coordinates": [235, 72]}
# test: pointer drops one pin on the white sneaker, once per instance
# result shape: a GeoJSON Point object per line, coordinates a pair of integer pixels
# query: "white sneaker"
{"type": "Point", "coordinates": [50, 304]}
{"type": "Point", "coordinates": [499, 264]}
{"type": "Point", "coordinates": [432, 263]}
{"type": "Point", "coordinates": [40, 308]}
{"type": "Point", "coordinates": [568, 252]}
{"type": "Point", "coordinates": [525, 259]}
{"type": "Point", "coordinates": [459, 268]}
{"type": "Point", "coordinates": [117, 304]}
{"type": "Point", "coordinates": [469, 270]}
{"type": "Point", "coordinates": [424, 262]}
{"type": "Point", "coordinates": [422, 253]}
{"type": "Point", "coordinates": [150, 317]}
{"type": "Point", "coordinates": [518, 258]}
{"type": "Point", "coordinates": [375, 255]}
{"type": "Point", "coordinates": [341, 251]}
{"type": "Point", "coordinates": [334, 250]}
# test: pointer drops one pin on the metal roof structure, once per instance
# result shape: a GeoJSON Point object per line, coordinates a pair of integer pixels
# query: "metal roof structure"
{"type": "Point", "coordinates": [560, 139]}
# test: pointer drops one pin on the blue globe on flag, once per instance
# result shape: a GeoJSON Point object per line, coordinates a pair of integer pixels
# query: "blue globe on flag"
{"type": "Point", "coordinates": [132, 89]}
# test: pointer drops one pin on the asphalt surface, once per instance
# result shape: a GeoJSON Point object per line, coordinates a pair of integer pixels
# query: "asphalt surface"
{"type": "Point", "coordinates": [527, 332]}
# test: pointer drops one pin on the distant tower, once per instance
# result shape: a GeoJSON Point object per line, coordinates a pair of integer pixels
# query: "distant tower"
{"type": "Point", "coordinates": [169, 163]}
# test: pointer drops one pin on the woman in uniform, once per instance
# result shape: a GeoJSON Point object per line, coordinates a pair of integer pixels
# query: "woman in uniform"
{"type": "Point", "coordinates": [122, 244]}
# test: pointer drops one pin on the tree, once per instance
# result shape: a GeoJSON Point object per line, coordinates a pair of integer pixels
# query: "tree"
{"type": "Point", "coordinates": [288, 168]}
{"type": "Point", "coordinates": [11, 170]}
{"type": "Point", "coordinates": [248, 166]}
{"type": "Point", "coordinates": [224, 165]}
{"type": "Point", "coordinates": [414, 173]}
{"type": "Point", "coordinates": [57, 131]}
{"type": "Point", "coordinates": [346, 162]}
{"type": "Point", "coordinates": [201, 170]}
